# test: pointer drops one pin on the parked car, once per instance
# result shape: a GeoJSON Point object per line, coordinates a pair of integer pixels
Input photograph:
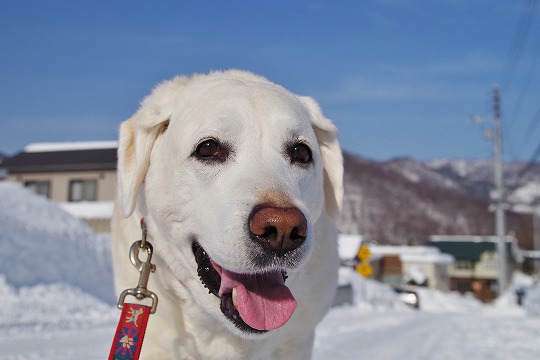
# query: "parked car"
{"type": "Point", "coordinates": [408, 296]}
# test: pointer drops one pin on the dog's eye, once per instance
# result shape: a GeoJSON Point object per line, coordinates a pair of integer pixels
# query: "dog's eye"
{"type": "Point", "coordinates": [301, 153]}
{"type": "Point", "coordinates": [210, 150]}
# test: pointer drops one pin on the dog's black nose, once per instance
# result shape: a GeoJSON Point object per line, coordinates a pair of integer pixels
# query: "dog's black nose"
{"type": "Point", "coordinates": [279, 229]}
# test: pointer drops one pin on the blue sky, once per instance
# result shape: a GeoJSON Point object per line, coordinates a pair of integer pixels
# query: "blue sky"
{"type": "Point", "coordinates": [399, 78]}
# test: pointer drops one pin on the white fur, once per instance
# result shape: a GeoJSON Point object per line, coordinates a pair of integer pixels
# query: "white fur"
{"type": "Point", "coordinates": [182, 199]}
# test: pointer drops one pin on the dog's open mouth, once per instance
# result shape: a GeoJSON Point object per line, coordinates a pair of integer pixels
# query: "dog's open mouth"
{"type": "Point", "coordinates": [255, 303]}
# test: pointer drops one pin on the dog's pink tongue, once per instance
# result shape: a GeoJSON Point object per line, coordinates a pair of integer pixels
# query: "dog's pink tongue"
{"type": "Point", "coordinates": [263, 300]}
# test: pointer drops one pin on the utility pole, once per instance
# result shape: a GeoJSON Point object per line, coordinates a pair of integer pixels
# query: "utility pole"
{"type": "Point", "coordinates": [497, 195]}
{"type": "Point", "coordinates": [536, 232]}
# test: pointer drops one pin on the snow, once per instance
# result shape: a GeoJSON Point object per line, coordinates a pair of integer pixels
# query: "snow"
{"type": "Point", "coordinates": [48, 313]}
{"type": "Point", "coordinates": [411, 175]}
{"type": "Point", "coordinates": [70, 146]}
{"type": "Point", "coordinates": [460, 167]}
{"type": "Point", "coordinates": [348, 246]}
{"type": "Point", "coordinates": [52, 305]}
{"type": "Point", "coordinates": [525, 198]}
{"type": "Point", "coordinates": [470, 238]}
{"type": "Point", "coordinates": [415, 275]}
{"type": "Point", "coordinates": [416, 254]}
{"type": "Point", "coordinates": [531, 303]}
{"type": "Point", "coordinates": [447, 326]}
{"type": "Point", "coordinates": [42, 244]}
{"type": "Point", "coordinates": [89, 209]}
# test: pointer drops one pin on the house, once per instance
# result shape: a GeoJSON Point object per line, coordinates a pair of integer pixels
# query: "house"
{"type": "Point", "coordinates": [414, 265]}
{"type": "Point", "coordinates": [399, 265]}
{"type": "Point", "coordinates": [476, 268]}
{"type": "Point", "coordinates": [80, 176]}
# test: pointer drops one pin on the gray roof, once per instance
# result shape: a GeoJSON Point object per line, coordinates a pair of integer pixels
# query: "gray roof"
{"type": "Point", "coordinates": [67, 160]}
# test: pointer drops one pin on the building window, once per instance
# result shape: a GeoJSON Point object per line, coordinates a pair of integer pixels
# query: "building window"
{"type": "Point", "coordinates": [491, 259]}
{"type": "Point", "coordinates": [82, 190]}
{"type": "Point", "coordinates": [464, 264]}
{"type": "Point", "coordinates": [39, 187]}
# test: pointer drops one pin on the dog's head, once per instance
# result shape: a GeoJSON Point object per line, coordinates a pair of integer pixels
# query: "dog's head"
{"type": "Point", "coordinates": [230, 172]}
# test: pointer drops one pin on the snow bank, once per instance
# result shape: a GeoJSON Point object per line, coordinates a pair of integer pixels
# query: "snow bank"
{"type": "Point", "coordinates": [436, 301]}
{"type": "Point", "coordinates": [531, 302]}
{"type": "Point", "coordinates": [89, 209]}
{"type": "Point", "coordinates": [370, 295]}
{"type": "Point", "coordinates": [374, 296]}
{"type": "Point", "coordinates": [42, 244]}
{"type": "Point", "coordinates": [54, 305]}
{"type": "Point", "coordinates": [528, 287]}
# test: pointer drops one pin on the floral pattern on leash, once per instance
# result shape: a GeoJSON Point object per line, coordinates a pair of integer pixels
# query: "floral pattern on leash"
{"type": "Point", "coordinates": [130, 332]}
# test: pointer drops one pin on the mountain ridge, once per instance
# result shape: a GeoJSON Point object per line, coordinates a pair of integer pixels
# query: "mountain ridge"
{"type": "Point", "coordinates": [404, 201]}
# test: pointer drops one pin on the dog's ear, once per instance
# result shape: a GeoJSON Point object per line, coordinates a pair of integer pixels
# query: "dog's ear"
{"type": "Point", "coordinates": [137, 137]}
{"type": "Point", "coordinates": [326, 133]}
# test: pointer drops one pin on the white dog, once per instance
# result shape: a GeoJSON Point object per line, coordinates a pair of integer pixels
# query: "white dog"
{"type": "Point", "coordinates": [239, 182]}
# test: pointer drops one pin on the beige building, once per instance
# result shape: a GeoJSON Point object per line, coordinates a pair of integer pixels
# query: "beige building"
{"type": "Point", "coordinates": [80, 176]}
{"type": "Point", "coordinates": [414, 265]}
{"type": "Point", "coordinates": [400, 265]}
{"type": "Point", "coordinates": [476, 267]}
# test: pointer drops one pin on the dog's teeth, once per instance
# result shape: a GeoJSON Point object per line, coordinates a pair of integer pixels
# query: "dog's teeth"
{"type": "Point", "coordinates": [235, 297]}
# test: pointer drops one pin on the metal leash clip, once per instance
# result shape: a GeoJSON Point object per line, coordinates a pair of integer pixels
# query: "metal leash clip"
{"type": "Point", "coordinates": [145, 267]}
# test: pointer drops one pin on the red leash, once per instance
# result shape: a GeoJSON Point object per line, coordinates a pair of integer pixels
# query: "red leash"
{"type": "Point", "coordinates": [127, 342]}
{"type": "Point", "coordinates": [129, 335]}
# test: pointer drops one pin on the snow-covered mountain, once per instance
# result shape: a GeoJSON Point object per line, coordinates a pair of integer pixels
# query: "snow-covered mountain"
{"type": "Point", "coordinates": [406, 201]}
{"type": "Point", "coordinates": [522, 182]}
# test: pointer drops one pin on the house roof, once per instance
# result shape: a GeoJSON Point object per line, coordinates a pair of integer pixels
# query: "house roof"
{"type": "Point", "coordinates": [469, 247]}
{"type": "Point", "coordinates": [52, 157]}
{"type": "Point", "coordinates": [465, 250]}
{"type": "Point", "coordinates": [70, 146]}
{"type": "Point", "coordinates": [412, 254]}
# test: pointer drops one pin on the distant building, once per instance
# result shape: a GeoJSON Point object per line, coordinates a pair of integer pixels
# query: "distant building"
{"type": "Point", "coordinates": [400, 265]}
{"type": "Point", "coordinates": [477, 262]}
{"type": "Point", "coordinates": [80, 176]}
{"type": "Point", "coordinates": [413, 265]}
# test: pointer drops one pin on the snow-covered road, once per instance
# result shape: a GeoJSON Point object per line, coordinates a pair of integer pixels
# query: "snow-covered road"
{"type": "Point", "coordinates": [48, 344]}
{"type": "Point", "coordinates": [347, 333]}
{"type": "Point", "coordinates": [430, 336]}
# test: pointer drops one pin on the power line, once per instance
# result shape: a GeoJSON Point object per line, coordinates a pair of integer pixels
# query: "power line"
{"type": "Point", "coordinates": [525, 23]}
{"type": "Point", "coordinates": [532, 162]}
{"type": "Point", "coordinates": [532, 125]}
{"type": "Point", "coordinates": [522, 34]}
{"type": "Point", "coordinates": [530, 74]}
